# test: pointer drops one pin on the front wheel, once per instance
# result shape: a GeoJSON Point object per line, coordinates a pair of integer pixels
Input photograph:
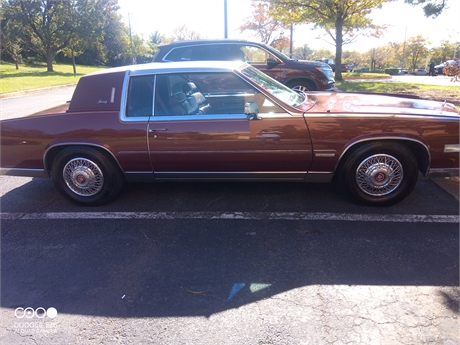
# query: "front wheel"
{"type": "Point", "coordinates": [302, 86]}
{"type": "Point", "coordinates": [86, 176]}
{"type": "Point", "coordinates": [380, 173]}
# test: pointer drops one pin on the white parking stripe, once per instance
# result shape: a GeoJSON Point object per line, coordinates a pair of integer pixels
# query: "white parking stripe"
{"type": "Point", "coordinates": [348, 217]}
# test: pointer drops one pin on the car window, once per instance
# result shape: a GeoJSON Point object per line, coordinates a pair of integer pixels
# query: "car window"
{"type": "Point", "coordinates": [179, 54]}
{"type": "Point", "coordinates": [216, 52]}
{"type": "Point", "coordinates": [208, 52]}
{"type": "Point", "coordinates": [140, 96]}
{"type": "Point", "coordinates": [207, 93]}
{"type": "Point", "coordinates": [255, 55]}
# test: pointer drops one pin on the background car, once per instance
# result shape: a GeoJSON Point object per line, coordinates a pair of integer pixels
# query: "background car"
{"type": "Point", "coordinates": [419, 71]}
{"type": "Point", "coordinates": [438, 68]}
{"type": "Point", "coordinates": [300, 75]}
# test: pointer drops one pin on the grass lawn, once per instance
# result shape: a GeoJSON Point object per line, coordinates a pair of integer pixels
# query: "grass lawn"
{"type": "Point", "coordinates": [34, 77]}
{"type": "Point", "coordinates": [359, 75]}
{"type": "Point", "coordinates": [375, 86]}
{"type": "Point", "coordinates": [433, 92]}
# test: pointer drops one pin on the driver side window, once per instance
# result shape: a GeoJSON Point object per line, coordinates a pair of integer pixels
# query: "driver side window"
{"type": "Point", "coordinates": [206, 94]}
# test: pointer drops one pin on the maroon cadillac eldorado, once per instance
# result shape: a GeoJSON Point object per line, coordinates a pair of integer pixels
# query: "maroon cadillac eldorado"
{"type": "Point", "coordinates": [228, 121]}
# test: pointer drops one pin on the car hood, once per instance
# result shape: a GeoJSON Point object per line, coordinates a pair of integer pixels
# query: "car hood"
{"type": "Point", "coordinates": [343, 102]}
{"type": "Point", "coordinates": [313, 63]}
{"type": "Point", "coordinates": [441, 65]}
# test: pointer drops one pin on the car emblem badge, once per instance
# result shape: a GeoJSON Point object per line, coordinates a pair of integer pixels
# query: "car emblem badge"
{"type": "Point", "coordinates": [81, 179]}
{"type": "Point", "coordinates": [380, 177]}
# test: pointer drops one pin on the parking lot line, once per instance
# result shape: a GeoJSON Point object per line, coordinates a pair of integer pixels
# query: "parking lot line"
{"type": "Point", "coordinates": [320, 216]}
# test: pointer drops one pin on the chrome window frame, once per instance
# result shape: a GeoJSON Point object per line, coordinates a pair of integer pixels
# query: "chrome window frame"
{"type": "Point", "coordinates": [156, 118]}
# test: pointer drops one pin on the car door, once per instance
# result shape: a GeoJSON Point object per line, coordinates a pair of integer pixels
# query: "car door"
{"type": "Point", "coordinates": [200, 130]}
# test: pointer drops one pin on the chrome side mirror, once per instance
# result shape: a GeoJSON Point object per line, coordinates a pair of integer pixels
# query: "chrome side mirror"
{"type": "Point", "coordinates": [252, 110]}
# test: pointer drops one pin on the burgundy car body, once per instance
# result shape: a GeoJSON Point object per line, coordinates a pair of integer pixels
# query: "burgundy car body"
{"type": "Point", "coordinates": [312, 141]}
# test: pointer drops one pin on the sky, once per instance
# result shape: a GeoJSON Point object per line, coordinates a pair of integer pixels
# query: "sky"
{"type": "Point", "coordinates": [207, 18]}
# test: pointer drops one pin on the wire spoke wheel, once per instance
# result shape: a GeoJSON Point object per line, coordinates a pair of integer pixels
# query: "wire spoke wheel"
{"type": "Point", "coordinates": [379, 175]}
{"type": "Point", "coordinates": [83, 177]}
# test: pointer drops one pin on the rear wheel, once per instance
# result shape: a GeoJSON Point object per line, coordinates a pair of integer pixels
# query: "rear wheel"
{"type": "Point", "coordinates": [380, 173]}
{"type": "Point", "coordinates": [86, 176]}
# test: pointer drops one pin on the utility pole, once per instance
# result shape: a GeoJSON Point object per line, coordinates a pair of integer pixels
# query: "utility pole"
{"type": "Point", "coordinates": [404, 49]}
{"type": "Point", "coordinates": [225, 20]}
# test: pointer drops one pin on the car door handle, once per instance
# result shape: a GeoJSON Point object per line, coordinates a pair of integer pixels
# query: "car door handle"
{"type": "Point", "coordinates": [153, 130]}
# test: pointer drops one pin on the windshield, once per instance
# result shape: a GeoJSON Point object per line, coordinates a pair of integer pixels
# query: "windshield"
{"type": "Point", "coordinates": [276, 52]}
{"type": "Point", "coordinates": [277, 89]}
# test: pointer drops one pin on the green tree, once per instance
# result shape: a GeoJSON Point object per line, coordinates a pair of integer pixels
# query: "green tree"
{"type": "Point", "coordinates": [155, 39]}
{"type": "Point", "coordinates": [115, 48]}
{"type": "Point", "coordinates": [322, 53]}
{"type": "Point", "coordinates": [432, 8]}
{"type": "Point", "coordinates": [342, 20]}
{"type": "Point", "coordinates": [354, 57]}
{"type": "Point", "coordinates": [58, 24]}
{"type": "Point", "coordinates": [379, 57]}
{"type": "Point", "coordinates": [417, 49]}
{"type": "Point", "coordinates": [12, 37]}
{"type": "Point", "coordinates": [89, 25]}
{"type": "Point", "coordinates": [443, 52]}
{"type": "Point", "coordinates": [397, 51]}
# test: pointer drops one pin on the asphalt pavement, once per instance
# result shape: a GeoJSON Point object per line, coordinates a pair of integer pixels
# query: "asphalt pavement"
{"type": "Point", "coordinates": [227, 263]}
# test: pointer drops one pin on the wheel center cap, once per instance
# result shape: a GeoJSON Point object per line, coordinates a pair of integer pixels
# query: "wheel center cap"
{"type": "Point", "coordinates": [380, 177]}
{"type": "Point", "coordinates": [81, 179]}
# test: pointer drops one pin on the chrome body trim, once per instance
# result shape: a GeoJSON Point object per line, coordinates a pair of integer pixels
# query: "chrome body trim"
{"type": "Point", "coordinates": [257, 175]}
{"type": "Point", "coordinates": [452, 148]}
{"type": "Point", "coordinates": [227, 151]}
{"type": "Point", "coordinates": [24, 172]}
{"type": "Point", "coordinates": [446, 117]}
{"type": "Point", "coordinates": [173, 118]}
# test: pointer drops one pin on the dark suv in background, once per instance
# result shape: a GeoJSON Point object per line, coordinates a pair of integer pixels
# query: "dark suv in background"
{"type": "Point", "coordinates": [300, 75]}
